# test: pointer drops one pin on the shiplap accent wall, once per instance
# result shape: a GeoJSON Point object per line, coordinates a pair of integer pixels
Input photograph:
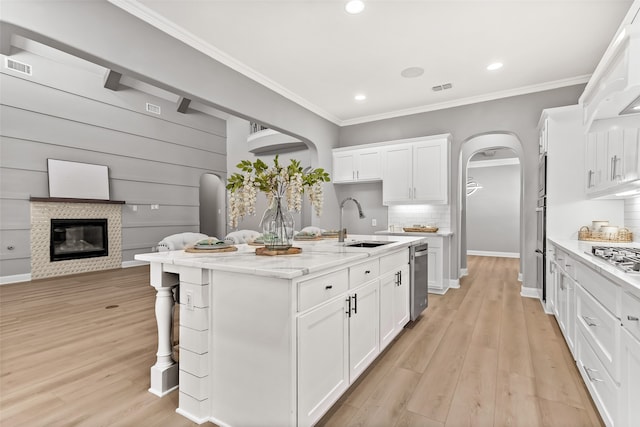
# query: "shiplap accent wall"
{"type": "Point", "coordinates": [64, 112]}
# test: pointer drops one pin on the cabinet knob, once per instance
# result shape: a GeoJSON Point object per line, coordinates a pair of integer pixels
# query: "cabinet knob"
{"type": "Point", "coordinates": [329, 287]}
{"type": "Point", "coordinates": [367, 272]}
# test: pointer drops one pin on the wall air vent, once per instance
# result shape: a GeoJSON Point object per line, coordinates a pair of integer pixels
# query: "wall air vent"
{"type": "Point", "coordinates": [18, 66]}
{"type": "Point", "coordinates": [152, 108]}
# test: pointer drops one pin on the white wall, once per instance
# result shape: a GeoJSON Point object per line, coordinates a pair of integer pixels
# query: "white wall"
{"type": "Point", "coordinates": [632, 217]}
{"type": "Point", "coordinates": [493, 212]}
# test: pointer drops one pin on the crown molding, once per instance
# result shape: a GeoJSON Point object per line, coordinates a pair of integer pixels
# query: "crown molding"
{"type": "Point", "coordinates": [147, 15]}
{"type": "Point", "coordinates": [470, 100]}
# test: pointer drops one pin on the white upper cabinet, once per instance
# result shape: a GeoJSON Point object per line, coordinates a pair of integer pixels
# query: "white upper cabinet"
{"type": "Point", "coordinates": [416, 172]}
{"type": "Point", "coordinates": [612, 160]}
{"type": "Point", "coordinates": [356, 165]}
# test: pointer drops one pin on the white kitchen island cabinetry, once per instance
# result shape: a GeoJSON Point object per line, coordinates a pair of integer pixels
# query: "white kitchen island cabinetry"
{"type": "Point", "coordinates": [416, 171]}
{"type": "Point", "coordinates": [277, 340]}
{"type": "Point", "coordinates": [356, 165]}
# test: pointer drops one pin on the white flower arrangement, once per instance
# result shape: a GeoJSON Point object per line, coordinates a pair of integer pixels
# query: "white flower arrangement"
{"type": "Point", "coordinates": [276, 181]}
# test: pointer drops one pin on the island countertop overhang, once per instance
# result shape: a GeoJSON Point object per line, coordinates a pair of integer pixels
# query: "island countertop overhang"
{"type": "Point", "coordinates": [316, 256]}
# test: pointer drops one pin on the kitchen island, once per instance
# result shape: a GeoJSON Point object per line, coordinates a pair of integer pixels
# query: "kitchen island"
{"type": "Point", "coordinates": [276, 340]}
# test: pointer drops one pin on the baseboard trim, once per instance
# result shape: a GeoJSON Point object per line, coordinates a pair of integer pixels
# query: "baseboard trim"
{"type": "Point", "coordinates": [464, 272]}
{"type": "Point", "coordinates": [455, 284]}
{"type": "Point", "coordinates": [437, 291]}
{"type": "Point", "coordinates": [5, 280]}
{"type": "Point", "coordinates": [530, 292]}
{"type": "Point", "coordinates": [496, 254]}
{"type": "Point", "coordinates": [519, 277]}
{"type": "Point", "coordinates": [128, 264]}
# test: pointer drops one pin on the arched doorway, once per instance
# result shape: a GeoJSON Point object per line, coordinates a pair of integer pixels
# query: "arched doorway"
{"type": "Point", "coordinates": [213, 206]}
{"type": "Point", "coordinates": [473, 145]}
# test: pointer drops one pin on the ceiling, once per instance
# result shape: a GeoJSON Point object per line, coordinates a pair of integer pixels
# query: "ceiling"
{"type": "Point", "coordinates": [319, 56]}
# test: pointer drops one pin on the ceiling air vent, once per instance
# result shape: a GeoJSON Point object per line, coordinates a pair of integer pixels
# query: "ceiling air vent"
{"type": "Point", "coordinates": [442, 87]}
{"type": "Point", "coordinates": [18, 66]}
{"type": "Point", "coordinates": [152, 108]}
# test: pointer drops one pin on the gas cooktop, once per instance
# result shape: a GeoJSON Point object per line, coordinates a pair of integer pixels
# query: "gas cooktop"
{"type": "Point", "coordinates": [626, 259]}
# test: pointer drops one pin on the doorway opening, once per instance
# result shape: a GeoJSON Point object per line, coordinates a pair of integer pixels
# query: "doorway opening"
{"type": "Point", "coordinates": [213, 206]}
{"type": "Point", "coordinates": [496, 222]}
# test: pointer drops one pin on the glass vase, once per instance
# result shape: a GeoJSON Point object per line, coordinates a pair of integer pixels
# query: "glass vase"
{"type": "Point", "coordinates": [277, 226]}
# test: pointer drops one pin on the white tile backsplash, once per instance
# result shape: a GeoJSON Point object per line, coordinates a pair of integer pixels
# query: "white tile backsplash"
{"type": "Point", "coordinates": [632, 217]}
{"type": "Point", "coordinates": [408, 215]}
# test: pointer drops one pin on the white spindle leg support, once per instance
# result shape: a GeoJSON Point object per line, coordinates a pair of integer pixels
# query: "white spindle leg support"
{"type": "Point", "coordinates": [164, 374]}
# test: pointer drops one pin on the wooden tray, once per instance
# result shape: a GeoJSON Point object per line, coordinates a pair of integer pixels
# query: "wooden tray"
{"type": "Point", "coordinates": [420, 229]}
{"type": "Point", "coordinates": [255, 244]}
{"type": "Point", "coordinates": [304, 239]}
{"type": "Point", "coordinates": [269, 252]}
{"type": "Point", "coordinates": [193, 250]}
{"type": "Point", "coordinates": [624, 235]}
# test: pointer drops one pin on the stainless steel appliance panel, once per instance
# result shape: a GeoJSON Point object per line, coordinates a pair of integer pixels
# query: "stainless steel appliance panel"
{"type": "Point", "coordinates": [419, 279]}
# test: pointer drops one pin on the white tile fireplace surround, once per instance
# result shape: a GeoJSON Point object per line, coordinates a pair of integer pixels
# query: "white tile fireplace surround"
{"type": "Point", "coordinates": [43, 210]}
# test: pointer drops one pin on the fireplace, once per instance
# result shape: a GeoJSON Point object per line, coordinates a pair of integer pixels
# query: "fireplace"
{"type": "Point", "coordinates": [78, 238]}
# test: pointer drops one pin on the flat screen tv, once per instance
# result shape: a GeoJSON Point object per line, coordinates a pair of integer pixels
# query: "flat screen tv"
{"type": "Point", "coordinates": [78, 180]}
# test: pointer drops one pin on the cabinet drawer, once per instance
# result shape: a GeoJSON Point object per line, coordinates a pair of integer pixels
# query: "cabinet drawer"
{"type": "Point", "coordinates": [603, 389]}
{"type": "Point", "coordinates": [315, 291]}
{"type": "Point", "coordinates": [600, 329]}
{"type": "Point", "coordinates": [394, 261]}
{"type": "Point", "coordinates": [364, 272]}
{"type": "Point", "coordinates": [603, 290]}
{"type": "Point", "coordinates": [631, 314]}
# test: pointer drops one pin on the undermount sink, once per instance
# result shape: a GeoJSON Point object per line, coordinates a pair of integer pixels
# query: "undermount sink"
{"type": "Point", "coordinates": [367, 244]}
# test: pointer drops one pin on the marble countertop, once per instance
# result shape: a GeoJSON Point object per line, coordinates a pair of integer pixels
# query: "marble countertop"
{"type": "Point", "coordinates": [316, 256]}
{"type": "Point", "coordinates": [440, 233]}
{"type": "Point", "coordinates": [582, 250]}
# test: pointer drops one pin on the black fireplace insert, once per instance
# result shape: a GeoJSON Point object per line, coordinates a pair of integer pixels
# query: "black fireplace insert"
{"type": "Point", "coordinates": [78, 238]}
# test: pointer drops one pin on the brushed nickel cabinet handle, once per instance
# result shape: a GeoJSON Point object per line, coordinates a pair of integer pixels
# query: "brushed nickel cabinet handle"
{"type": "Point", "coordinates": [632, 318]}
{"type": "Point", "coordinates": [589, 321]}
{"type": "Point", "coordinates": [588, 371]}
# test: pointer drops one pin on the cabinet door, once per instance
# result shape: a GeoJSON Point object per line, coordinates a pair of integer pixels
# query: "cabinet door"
{"type": "Point", "coordinates": [630, 151]}
{"type": "Point", "coordinates": [629, 411]}
{"type": "Point", "coordinates": [323, 369]}
{"type": "Point", "coordinates": [430, 172]}
{"type": "Point", "coordinates": [434, 272]}
{"type": "Point", "coordinates": [401, 300]}
{"type": "Point", "coordinates": [591, 162]}
{"type": "Point", "coordinates": [387, 305]}
{"type": "Point", "coordinates": [344, 167]}
{"type": "Point", "coordinates": [368, 165]}
{"type": "Point", "coordinates": [397, 183]}
{"type": "Point", "coordinates": [363, 328]}
{"type": "Point", "coordinates": [561, 302]}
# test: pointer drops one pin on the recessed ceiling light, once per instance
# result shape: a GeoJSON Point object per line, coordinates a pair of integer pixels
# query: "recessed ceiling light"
{"type": "Point", "coordinates": [360, 97]}
{"type": "Point", "coordinates": [354, 6]}
{"type": "Point", "coordinates": [494, 66]}
{"type": "Point", "coordinates": [412, 72]}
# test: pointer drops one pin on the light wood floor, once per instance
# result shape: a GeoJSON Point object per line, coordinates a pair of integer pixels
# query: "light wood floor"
{"type": "Point", "coordinates": [481, 356]}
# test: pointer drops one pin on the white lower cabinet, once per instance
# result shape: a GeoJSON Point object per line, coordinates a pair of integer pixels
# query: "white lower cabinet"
{"type": "Point", "coordinates": [602, 387]}
{"type": "Point", "coordinates": [605, 340]}
{"type": "Point", "coordinates": [629, 414]}
{"type": "Point", "coordinates": [394, 304]}
{"type": "Point", "coordinates": [363, 328]}
{"type": "Point", "coordinates": [323, 370]}
{"type": "Point", "coordinates": [629, 410]}
{"type": "Point", "coordinates": [355, 313]}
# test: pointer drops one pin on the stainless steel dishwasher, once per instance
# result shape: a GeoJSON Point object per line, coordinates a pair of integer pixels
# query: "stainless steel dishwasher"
{"type": "Point", "coordinates": [419, 264]}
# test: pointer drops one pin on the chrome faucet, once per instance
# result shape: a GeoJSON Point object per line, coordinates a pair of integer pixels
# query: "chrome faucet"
{"type": "Point", "coordinates": [342, 231]}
